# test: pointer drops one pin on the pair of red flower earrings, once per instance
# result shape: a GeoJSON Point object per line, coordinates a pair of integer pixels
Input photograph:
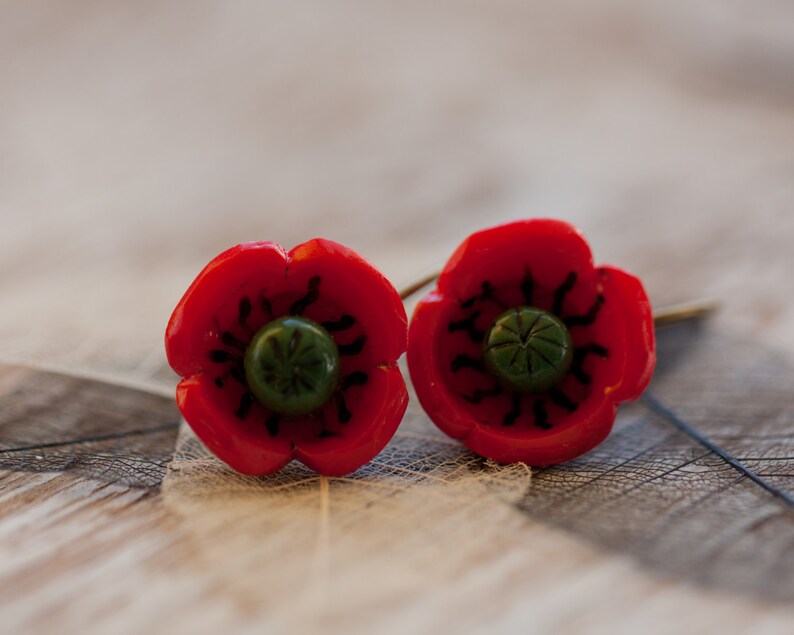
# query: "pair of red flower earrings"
{"type": "Point", "coordinates": [522, 351]}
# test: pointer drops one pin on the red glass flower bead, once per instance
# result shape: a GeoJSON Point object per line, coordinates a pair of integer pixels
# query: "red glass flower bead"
{"type": "Point", "coordinates": [524, 349]}
{"type": "Point", "coordinates": [290, 355]}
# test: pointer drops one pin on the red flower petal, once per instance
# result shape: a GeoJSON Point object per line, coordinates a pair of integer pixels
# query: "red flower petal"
{"type": "Point", "coordinates": [192, 324]}
{"type": "Point", "coordinates": [577, 433]}
{"type": "Point", "coordinates": [358, 288]}
{"type": "Point", "coordinates": [638, 330]}
{"type": "Point", "coordinates": [580, 432]}
{"type": "Point", "coordinates": [244, 288]}
{"type": "Point", "coordinates": [427, 327]}
{"type": "Point", "coordinates": [376, 408]}
{"type": "Point", "coordinates": [243, 445]}
{"type": "Point", "coordinates": [611, 326]}
{"type": "Point", "coordinates": [549, 248]}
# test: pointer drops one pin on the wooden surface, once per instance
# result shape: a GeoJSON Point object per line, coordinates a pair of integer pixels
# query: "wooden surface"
{"type": "Point", "coordinates": [137, 140]}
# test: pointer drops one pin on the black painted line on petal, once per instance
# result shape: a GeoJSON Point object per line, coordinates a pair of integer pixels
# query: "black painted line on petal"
{"type": "Point", "coordinates": [564, 289]}
{"type": "Point", "coordinates": [354, 348]}
{"type": "Point", "coordinates": [528, 288]}
{"type": "Point", "coordinates": [478, 395]}
{"type": "Point", "coordinates": [487, 293]}
{"type": "Point", "coordinates": [238, 374]}
{"type": "Point", "coordinates": [599, 350]}
{"type": "Point", "coordinates": [580, 353]}
{"type": "Point", "coordinates": [343, 414]}
{"type": "Point", "coordinates": [299, 306]}
{"type": "Point", "coordinates": [468, 324]}
{"type": "Point", "coordinates": [246, 401]}
{"type": "Point", "coordinates": [588, 318]}
{"type": "Point", "coordinates": [267, 307]}
{"type": "Point", "coordinates": [229, 339]}
{"type": "Point", "coordinates": [221, 357]}
{"type": "Point", "coordinates": [272, 425]}
{"type": "Point", "coordinates": [243, 311]}
{"type": "Point", "coordinates": [541, 415]}
{"type": "Point", "coordinates": [342, 324]}
{"type": "Point", "coordinates": [511, 417]}
{"type": "Point", "coordinates": [559, 398]}
{"type": "Point", "coordinates": [356, 378]}
{"type": "Point", "coordinates": [466, 361]}
{"type": "Point", "coordinates": [580, 375]}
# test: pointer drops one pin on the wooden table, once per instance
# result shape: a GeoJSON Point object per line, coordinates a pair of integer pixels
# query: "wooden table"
{"type": "Point", "coordinates": [139, 140]}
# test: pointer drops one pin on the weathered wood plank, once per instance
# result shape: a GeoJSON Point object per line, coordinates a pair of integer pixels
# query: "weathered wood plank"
{"type": "Point", "coordinates": [137, 140]}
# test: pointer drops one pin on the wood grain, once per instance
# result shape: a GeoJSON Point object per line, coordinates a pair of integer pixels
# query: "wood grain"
{"type": "Point", "coordinates": [723, 518]}
{"type": "Point", "coordinates": [137, 140]}
{"type": "Point", "coordinates": [53, 422]}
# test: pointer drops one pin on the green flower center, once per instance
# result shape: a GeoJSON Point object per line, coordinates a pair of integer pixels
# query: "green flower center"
{"type": "Point", "coordinates": [292, 366]}
{"type": "Point", "coordinates": [528, 350]}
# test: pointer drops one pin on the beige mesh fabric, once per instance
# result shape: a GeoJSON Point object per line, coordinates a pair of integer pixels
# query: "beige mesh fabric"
{"type": "Point", "coordinates": [417, 516]}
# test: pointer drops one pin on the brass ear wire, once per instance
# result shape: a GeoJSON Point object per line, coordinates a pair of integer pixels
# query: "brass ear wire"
{"type": "Point", "coordinates": [686, 312]}
{"type": "Point", "coordinates": [418, 285]}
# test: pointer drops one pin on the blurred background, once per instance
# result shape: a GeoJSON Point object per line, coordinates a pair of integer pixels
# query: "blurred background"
{"type": "Point", "coordinates": [139, 139]}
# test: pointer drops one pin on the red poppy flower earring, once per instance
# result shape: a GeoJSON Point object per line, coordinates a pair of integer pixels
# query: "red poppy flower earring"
{"type": "Point", "coordinates": [290, 355]}
{"type": "Point", "coordinates": [525, 348]}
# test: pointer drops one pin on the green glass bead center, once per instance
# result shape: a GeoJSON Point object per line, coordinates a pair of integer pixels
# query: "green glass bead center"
{"type": "Point", "coordinates": [292, 366]}
{"type": "Point", "coordinates": [528, 349]}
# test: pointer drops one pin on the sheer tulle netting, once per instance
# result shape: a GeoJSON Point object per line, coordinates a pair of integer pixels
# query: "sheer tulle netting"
{"type": "Point", "coordinates": [391, 520]}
